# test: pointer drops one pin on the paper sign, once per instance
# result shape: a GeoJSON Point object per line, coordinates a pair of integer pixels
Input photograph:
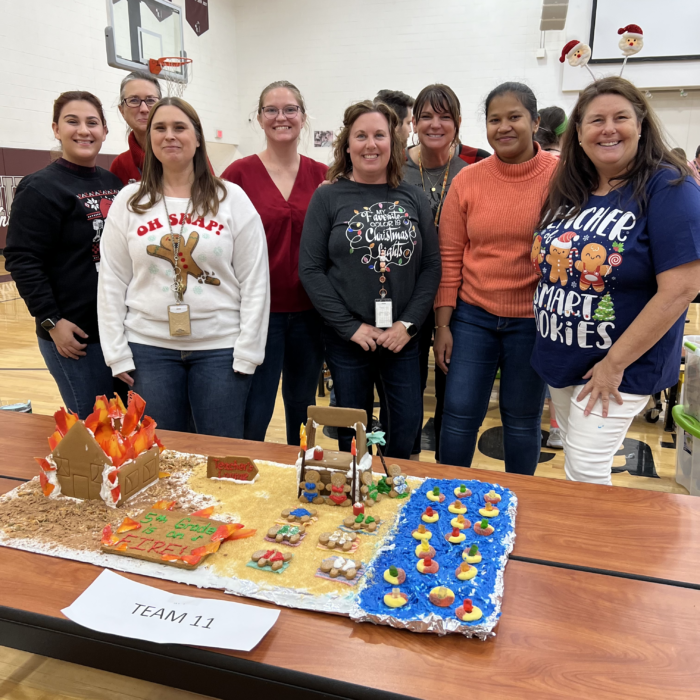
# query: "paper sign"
{"type": "Point", "coordinates": [238, 468]}
{"type": "Point", "coordinates": [116, 605]}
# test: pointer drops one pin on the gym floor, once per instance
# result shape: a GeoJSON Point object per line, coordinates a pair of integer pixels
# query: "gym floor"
{"type": "Point", "coordinates": [647, 461]}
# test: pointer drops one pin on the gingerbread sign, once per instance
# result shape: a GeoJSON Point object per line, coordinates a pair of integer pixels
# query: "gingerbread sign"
{"type": "Point", "coordinates": [171, 537]}
{"type": "Point", "coordinates": [234, 468]}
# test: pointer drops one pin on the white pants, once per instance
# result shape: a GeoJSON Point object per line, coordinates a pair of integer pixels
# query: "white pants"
{"type": "Point", "coordinates": [590, 442]}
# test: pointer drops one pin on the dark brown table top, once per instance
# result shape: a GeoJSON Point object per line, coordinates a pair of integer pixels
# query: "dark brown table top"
{"type": "Point", "coordinates": [563, 634]}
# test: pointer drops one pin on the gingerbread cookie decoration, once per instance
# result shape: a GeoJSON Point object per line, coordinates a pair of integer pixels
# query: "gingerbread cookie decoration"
{"type": "Point", "coordinates": [270, 559]}
{"type": "Point", "coordinates": [337, 540]}
{"type": "Point", "coordinates": [311, 488]}
{"type": "Point", "coordinates": [559, 257]}
{"type": "Point", "coordinates": [397, 482]}
{"type": "Point", "coordinates": [369, 490]}
{"type": "Point", "coordinates": [339, 489]}
{"type": "Point", "coordinates": [185, 261]}
{"type": "Point", "coordinates": [592, 267]}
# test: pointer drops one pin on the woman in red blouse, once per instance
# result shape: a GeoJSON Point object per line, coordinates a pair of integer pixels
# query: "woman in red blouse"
{"type": "Point", "coordinates": [280, 182]}
{"type": "Point", "coordinates": [138, 93]}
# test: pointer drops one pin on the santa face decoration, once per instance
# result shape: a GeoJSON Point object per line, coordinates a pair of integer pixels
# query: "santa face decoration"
{"type": "Point", "coordinates": [579, 57]}
{"type": "Point", "coordinates": [632, 39]}
{"type": "Point", "coordinates": [576, 53]}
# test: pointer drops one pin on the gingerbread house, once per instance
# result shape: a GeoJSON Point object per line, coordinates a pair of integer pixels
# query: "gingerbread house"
{"type": "Point", "coordinates": [111, 456]}
{"type": "Point", "coordinates": [81, 464]}
{"type": "Point", "coordinates": [333, 461]}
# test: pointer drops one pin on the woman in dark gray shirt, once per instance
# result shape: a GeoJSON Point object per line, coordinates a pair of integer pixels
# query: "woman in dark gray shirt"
{"type": "Point", "coordinates": [370, 263]}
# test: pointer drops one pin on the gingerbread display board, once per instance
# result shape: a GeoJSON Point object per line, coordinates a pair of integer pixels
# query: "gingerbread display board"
{"type": "Point", "coordinates": [234, 468]}
{"type": "Point", "coordinates": [169, 537]}
{"type": "Point", "coordinates": [75, 529]}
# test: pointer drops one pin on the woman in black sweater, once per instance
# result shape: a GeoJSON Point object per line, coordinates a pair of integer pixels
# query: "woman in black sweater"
{"type": "Point", "coordinates": [53, 250]}
{"type": "Point", "coordinates": [370, 263]}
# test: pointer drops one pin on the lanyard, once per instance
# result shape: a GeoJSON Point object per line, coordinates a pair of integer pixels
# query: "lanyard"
{"type": "Point", "coordinates": [178, 285]}
{"type": "Point", "coordinates": [444, 181]}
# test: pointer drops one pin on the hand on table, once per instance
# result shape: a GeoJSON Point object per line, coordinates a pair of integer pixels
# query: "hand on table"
{"type": "Point", "coordinates": [365, 336]}
{"type": "Point", "coordinates": [604, 380]}
{"type": "Point", "coordinates": [64, 339]}
{"type": "Point", "coordinates": [394, 338]}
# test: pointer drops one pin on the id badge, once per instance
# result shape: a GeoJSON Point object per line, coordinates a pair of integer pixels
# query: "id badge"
{"type": "Point", "coordinates": [383, 316]}
{"type": "Point", "coordinates": [179, 319]}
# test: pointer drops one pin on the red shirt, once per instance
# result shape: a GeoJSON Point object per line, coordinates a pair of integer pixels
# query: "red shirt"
{"type": "Point", "coordinates": [128, 165]}
{"type": "Point", "coordinates": [283, 222]}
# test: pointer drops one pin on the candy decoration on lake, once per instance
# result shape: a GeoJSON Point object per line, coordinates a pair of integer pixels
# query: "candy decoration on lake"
{"type": "Point", "coordinates": [395, 599]}
{"type": "Point", "coordinates": [467, 612]}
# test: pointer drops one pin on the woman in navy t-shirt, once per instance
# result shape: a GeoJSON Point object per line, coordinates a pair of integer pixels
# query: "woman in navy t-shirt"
{"type": "Point", "coordinates": [618, 250]}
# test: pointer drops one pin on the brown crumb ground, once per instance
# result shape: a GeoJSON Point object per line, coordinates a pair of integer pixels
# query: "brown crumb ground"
{"type": "Point", "coordinates": [79, 524]}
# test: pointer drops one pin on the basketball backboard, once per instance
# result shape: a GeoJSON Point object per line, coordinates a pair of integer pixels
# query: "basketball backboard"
{"type": "Point", "coordinates": [140, 30]}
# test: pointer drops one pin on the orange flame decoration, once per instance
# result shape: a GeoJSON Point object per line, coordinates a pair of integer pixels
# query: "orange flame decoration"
{"type": "Point", "coordinates": [123, 433]}
{"type": "Point", "coordinates": [45, 464]}
{"type": "Point", "coordinates": [164, 505]}
{"type": "Point", "coordinates": [128, 524]}
{"type": "Point", "coordinates": [232, 531]}
{"type": "Point", "coordinates": [205, 512]}
{"type": "Point", "coordinates": [108, 537]}
{"type": "Point", "coordinates": [207, 549]}
{"type": "Point", "coordinates": [353, 448]}
{"type": "Point", "coordinates": [169, 557]}
{"type": "Point", "coordinates": [46, 487]}
{"type": "Point", "coordinates": [54, 440]}
{"type": "Point", "coordinates": [65, 420]}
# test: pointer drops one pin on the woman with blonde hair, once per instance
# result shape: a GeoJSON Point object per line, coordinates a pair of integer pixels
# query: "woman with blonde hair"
{"type": "Point", "coordinates": [280, 182]}
{"type": "Point", "coordinates": [618, 249]}
{"type": "Point", "coordinates": [183, 297]}
{"type": "Point", "coordinates": [369, 261]}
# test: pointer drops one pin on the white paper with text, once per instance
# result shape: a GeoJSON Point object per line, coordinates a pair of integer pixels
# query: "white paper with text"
{"type": "Point", "coordinates": [116, 605]}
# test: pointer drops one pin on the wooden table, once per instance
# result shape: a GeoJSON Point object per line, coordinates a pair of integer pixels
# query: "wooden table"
{"type": "Point", "coordinates": [567, 630]}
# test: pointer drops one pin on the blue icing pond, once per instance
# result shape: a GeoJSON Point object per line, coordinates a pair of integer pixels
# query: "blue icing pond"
{"type": "Point", "coordinates": [417, 586]}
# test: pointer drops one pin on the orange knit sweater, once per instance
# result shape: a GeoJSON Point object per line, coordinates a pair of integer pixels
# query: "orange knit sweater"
{"type": "Point", "coordinates": [486, 229]}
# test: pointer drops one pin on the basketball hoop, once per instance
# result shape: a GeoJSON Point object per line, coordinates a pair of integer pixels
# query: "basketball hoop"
{"type": "Point", "coordinates": [168, 69]}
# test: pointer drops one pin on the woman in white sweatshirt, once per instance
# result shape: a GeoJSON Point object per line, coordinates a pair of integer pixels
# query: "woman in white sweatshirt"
{"type": "Point", "coordinates": [184, 292]}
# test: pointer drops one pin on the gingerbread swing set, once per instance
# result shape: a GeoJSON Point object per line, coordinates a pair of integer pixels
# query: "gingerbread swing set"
{"type": "Point", "coordinates": [330, 470]}
{"type": "Point", "coordinates": [346, 482]}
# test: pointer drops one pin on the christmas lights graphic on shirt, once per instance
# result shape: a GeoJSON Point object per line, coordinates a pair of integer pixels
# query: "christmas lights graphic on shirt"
{"type": "Point", "coordinates": [576, 258]}
{"type": "Point", "coordinates": [384, 233]}
{"type": "Point", "coordinates": [186, 263]}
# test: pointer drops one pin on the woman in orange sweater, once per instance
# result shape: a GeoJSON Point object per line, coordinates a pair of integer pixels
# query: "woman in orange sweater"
{"type": "Point", "coordinates": [484, 314]}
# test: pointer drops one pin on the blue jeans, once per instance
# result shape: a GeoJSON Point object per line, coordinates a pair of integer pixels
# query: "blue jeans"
{"type": "Point", "coordinates": [294, 349]}
{"type": "Point", "coordinates": [198, 385]}
{"type": "Point", "coordinates": [483, 343]}
{"type": "Point", "coordinates": [79, 381]}
{"type": "Point", "coordinates": [354, 373]}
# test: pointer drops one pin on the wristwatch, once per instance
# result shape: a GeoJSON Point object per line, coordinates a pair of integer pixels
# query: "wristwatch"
{"type": "Point", "coordinates": [410, 328]}
{"type": "Point", "coordinates": [50, 323]}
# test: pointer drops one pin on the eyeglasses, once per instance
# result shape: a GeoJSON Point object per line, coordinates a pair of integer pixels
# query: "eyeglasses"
{"type": "Point", "coordinates": [135, 102]}
{"type": "Point", "coordinates": [288, 111]}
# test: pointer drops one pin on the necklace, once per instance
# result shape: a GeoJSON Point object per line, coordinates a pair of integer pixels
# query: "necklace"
{"type": "Point", "coordinates": [178, 284]}
{"type": "Point", "coordinates": [432, 189]}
